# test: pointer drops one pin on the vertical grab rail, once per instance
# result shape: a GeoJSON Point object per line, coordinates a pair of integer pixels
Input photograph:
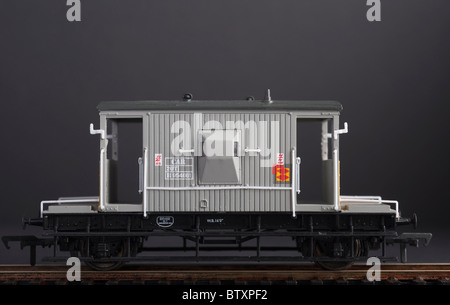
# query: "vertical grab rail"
{"type": "Point", "coordinates": [141, 175]}
{"type": "Point", "coordinates": [298, 161]}
{"type": "Point", "coordinates": [102, 179]}
{"type": "Point", "coordinates": [293, 183]}
{"type": "Point", "coordinates": [336, 181]}
{"type": "Point", "coordinates": [144, 197]}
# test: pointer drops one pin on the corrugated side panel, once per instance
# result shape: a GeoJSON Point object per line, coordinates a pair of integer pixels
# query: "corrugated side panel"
{"type": "Point", "coordinates": [256, 168]}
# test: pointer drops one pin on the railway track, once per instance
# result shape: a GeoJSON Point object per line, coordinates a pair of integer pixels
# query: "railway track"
{"type": "Point", "coordinates": [304, 274]}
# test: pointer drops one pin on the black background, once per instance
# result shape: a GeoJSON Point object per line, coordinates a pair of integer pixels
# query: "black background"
{"type": "Point", "coordinates": [391, 76]}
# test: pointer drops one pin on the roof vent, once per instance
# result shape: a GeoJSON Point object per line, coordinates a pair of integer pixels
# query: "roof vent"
{"type": "Point", "coordinates": [187, 97]}
{"type": "Point", "coordinates": [267, 98]}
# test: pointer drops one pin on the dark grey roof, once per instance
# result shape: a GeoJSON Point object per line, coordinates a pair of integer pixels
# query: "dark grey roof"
{"type": "Point", "coordinates": [220, 105]}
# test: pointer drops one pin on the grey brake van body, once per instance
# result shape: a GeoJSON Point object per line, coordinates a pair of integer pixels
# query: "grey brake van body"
{"type": "Point", "coordinates": [220, 156]}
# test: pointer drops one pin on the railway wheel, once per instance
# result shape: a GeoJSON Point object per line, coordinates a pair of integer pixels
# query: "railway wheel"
{"type": "Point", "coordinates": [339, 248]}
{"type": "Point", "coordinates": [103, 252]}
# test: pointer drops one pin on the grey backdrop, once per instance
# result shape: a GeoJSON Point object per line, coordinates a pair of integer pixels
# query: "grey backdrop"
{"type": "Point", "coordinates": [391, 76]}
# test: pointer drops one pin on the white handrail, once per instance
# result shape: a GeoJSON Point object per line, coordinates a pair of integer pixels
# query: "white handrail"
{"type": "Point", "coordinates": [373, 200]}
{"type": "Point", "coordinates": [102, 179]}
{"type": "Point", "coordinates": [293, 183]}
{"type": "Point", "coordinates": [63, 200]}
{"type": "Point", "coordinates": [298, 161]}
{"type": "Point", "coordinates": [182, 151]}
{"type": "Point", "coordinates": [93, 131]}
{"type": "Point", "coordinates": [144, 197]}
{"type": "Point", "coordinates": [216, 188]}
{"type": "Point", "coordinates": [247, 150]}
{"type": "Point", "coordinates": [336, 180]}
{"type": "Point", "coordinates": [338, 132]}
{"type": "Point", "coordinates": [345, 197]}
{"type": "Point", "coordinates": [141, 175]}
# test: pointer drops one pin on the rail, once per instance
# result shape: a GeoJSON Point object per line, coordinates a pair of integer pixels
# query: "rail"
{"type": "Point", "coordinates": [262, 274]}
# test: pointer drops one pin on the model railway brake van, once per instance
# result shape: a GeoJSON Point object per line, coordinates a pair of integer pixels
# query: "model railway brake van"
{"type": "Point", "coordinates": [221, 177]}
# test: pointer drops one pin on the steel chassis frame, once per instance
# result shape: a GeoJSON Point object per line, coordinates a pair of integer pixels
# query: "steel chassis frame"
{"type": "Point", "coordinates": [196, 228]}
